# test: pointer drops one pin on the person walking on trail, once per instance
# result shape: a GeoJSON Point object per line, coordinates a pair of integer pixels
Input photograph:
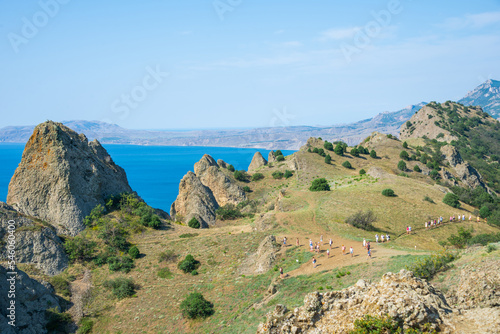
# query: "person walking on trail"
{"type": "Point", "coordinates": [409, 229]}
{"type": "Point", "coordinates": [328, 253]}
{"type": "Point", "coordinates": [387, 237]}
{"type": "Point", "coordinates": [369, 254]}
{"type": "Point", "coordinates": [364, 243]}
{"type": "Point", "coordinates": [321, 240]}
{"type": "Point", "coordinates": [351, 250]}
{"type": "Point", "coordinates": [368, 245]}
{"type": "Point", "coordinates": [281, 272]}
{"type": "Point", "coordinates": [343, 250]}
{"type": "Point", "coordinates": [376, 238]}
{"type": "Point", "coordinates": [284, 241]}
{"type": "Point", "coordinates": [298, 242]}
{"type": "Point", "coordinates": [314, 262]}
{"type": "Point", "coordinates": [331, 243]}
{"type": "Point", "coordinates": [382, 238]}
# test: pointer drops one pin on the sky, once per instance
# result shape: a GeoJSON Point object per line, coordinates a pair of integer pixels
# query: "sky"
{"type": "Point", "coordinates": [196, 64]}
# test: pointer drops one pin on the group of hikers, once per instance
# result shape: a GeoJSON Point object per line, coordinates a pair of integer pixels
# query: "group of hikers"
{"type": "Point", "coordinates": [460, 217]}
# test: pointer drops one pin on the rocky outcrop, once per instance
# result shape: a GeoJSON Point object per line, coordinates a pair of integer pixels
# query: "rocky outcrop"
{"type": "Point", "coordinates": [194, 200]}
{"type": "Point", "coordinates": [271, 157]}
{"type": "Point", "coordinates": [265, 221]}
{"type": "Point", "coordinates": [467, 174]}
{"type": "Point", "coordinates": [32, 299]}
{"type": "Point", "coordinates": [423, 123]}
{"type": "Point", "coordinates": [412, 302]}
{"type": "Point", "coordinates": [221, 163]}
{"type": "Point", "coordinates": [262, 260]}
{"type": "Point", "coordinates": [202, 192]}
{"type": "Point", "coordinates": [257, 162]}
{"type": "Point", "coordinates": [36, 243]}
{"type": "Point", "coordinates": [62, 177]}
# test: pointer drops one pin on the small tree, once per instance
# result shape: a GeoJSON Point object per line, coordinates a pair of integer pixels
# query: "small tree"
{"type": "Point", "coordinates": [362, 172]}
{"type": "Point", "coordinates": [196, 306]}
{"type": "Point", "coordinates": [404, 155]}
{"type": "Point", "coordinates": [405, 145]}
{"type": "Point", "coordinates": [230, 168]}
{"type": "Point", "coordinates": [319, 185]}
{"type": "Point", "coordinates": [402, 165]}
{"type": "Point", "coordinates": [328, 146]}
{"type": "Point", "coordinates": [347, 164]}
{"type": "Point", "coordinates": [194, 223]}
{"type": "Point", "coordinates": [388, 192]}
{"type": "Point", "coordinates": [280, 158]}
{"type": "Point", "coordinates": [288, 174]}
{"type": "Point", "coordinates": [121, 287]}
{"type": "Point", "coordinates": [339, 149]}
{"type": "Point", "coordinates": [278, 152]}
{"type": "Point", "coordinates": [328, 159]}
{"type": "Point", "coordinates": [246, 189]}
{"type": "Point", "coordinates": [240, 175]}
{"type": "Point", "coordinates": [278, 175]}
{"type": "Point", "coordinates": [257, 176]}
{"type": "Point", "coordinates": [485, 211]}
{"type": "Point", "coordinates": [134, 252]}
{"type": "Point", "coordinates": [355, 152]}
{"type": "Point", "coordinates": [362, 220]}
{"type": "Point", "coordinates": [451, 200]}
{"type": "Point", "coordinates": [417, 169]}
{"type": "Point", "coordinates": [373, 154]}
{"type": "Point", "coordinates": [188, 264]}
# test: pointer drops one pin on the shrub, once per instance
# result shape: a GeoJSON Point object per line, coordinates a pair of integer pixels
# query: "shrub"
{"type": "Point", "coordinates": [280, 158]}
{"type": "Point", "coordinates": [319, 185]}
{"type": "Point", "coordinates": [278, 175]}
{"type": "Point", "coordinates": [373, 154]}
{"type": "Point", "coordinates": [485, 211]}
{"type": "Point", "coordinates": [484, 239]}
{"type": "Point", "coordinates": [79, 249]}
{"type": "Point", "coordinates": [61, 285]}
{"type": "Point", "coordinates": [462, 239]}
{"type": "Point", "coordinates": [56, 320]}
{"type": "Point", "coordinates": [321, 152]}
{"type": "Point", "coordinates": [328, 146]}
{"type": "Point", "coordinates": [257, 176]}
{"type": "Point", "coordinates": [388, 192]}
{"type": "Point", "coordinates": [194, 272]}
{"type": "Point", "coordinates": [228, 212]}
{"type": "Point", "coordinates": [362, 220]}
{"type": "Point", "coordinates": [124, 263]}
{"type": "Point", "coordinates": [428, 199]}
{"type": "Point", "coordinates": [347, 164]}
{"type": "Point", "coordinates": [247, 189]}
{"type": "Point", "coordinates": [164, 273]}
{"type": "Point", "coordinates": [240, 175]}
{"type": "Point", "coordinates": [402, 165]}
{"type": "Point", "coordinates": [451, 200]}
{"type": "Point", "coordinates": [405, 145]}
{"type": "Point", "coordinates": [230, 168]}
{"type": "Point", "coordinates": [355, 152]}
{"type": "Point", "coordinates": [196, 306]}
{"type": "Point", "coordinates": [315, 150]}
{"type": "Point", "coordinates": [339, 149]}
{"type": "Point", "coordinates": [371, 324]}
{"type": "Point", "coordinates": [188, 235]}
{"type": "Point", "coordinates": [490, 249]}
{"type": "Point", "coordinates": [362, 172]}
{"type": "Point", "coordinates": [194, 223]}
{"type": "Point", "coordinates": [86, 326]}
{"type": "Point", "coordinates": [328, 159]}
{"type": "Point", "coordinates": [94, 215]}
{"type": "Point", "coordinates": [188, 264]}
{"type": "Point", "coordinates": [408, 124]}
{"type": "Point", "coordinates": [134, 252]}
{"type": "Point", "coordinates": [278, 153]}
{"type": "Point", "coordinates": [417, 169]}
{"type": "Point", "coordinates": [434, 174]}
{"type": "Point", "coordinates": [167, 256]}
{"type": "Point", "coordinates": [404, 155]}
{"type": "Point", "coordinates": [148, 217]}
{"type": "Point", "coordinates": [288, 174]}
{"type": "Point", "coordinates": [121, 287]}
{"type": "Point", "coordinates": [429, 266]}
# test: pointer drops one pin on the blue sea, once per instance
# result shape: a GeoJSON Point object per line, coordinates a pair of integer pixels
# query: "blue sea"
{"type": "Point", "coordinates": [153, 171]}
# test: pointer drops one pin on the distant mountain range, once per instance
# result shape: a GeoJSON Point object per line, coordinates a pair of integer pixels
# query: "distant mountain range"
{"type": "Point", "coordinates": [486, 95]}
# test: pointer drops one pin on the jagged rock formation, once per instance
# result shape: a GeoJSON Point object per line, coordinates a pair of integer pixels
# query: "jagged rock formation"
{"type": "Point", "coordinates": [32, 299]}
{"type": "Point", "coordinates": [262, 260]}
{"type": "Point", "coordinates": [463, 170]}
{"type": "Point", "coordinates": [36, 243]}
{"type": "Point", "coordinates": [202, 192]}
{"type": "Point", "coordinates": [412, 302]}
{"type": "Point", "coordinates": [271, 157]}
{"type": "Point", "coordinates": [194, 200]}
{"type": "Point", "coordinates": [62, 177]}
{"type": "Point", "coordinates": [257, 162]}
{"type": "Point", "coordinates": [221, 163]}
{"type": "Point", "coordinates": [423, 123]}
{"type": "Point", "coordinates": [486, 95]}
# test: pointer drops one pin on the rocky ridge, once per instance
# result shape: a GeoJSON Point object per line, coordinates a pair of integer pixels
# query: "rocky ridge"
{"type": "Point", "coordinates": [62, 177]}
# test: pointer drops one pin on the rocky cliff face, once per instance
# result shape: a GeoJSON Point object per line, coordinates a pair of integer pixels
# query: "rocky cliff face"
{"type": "Point", "coordinates": [202, 192]}
{"type": "Point", "coordinates": [262, 260]}
{"type": "Point", "coordinates": [32, 299]}
{"type": "Point", "coordinates": [409, 300]}
{"type": "Point", "coordinates": [257, 162]}
{"type": "Point", "coordinates": [62, 177]}
{"type": "Point", "coordinates": [423, 124]}
{"type": "Point", "coordinates": [462, 169]}
{"type": "Point", "coordinates": [486, 95]}
{"type": "Point", "coordinates": [36, 243]}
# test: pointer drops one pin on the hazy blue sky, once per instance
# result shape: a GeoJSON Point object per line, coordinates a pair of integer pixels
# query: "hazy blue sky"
{"type": "Point", "coordinates": [238, 63]}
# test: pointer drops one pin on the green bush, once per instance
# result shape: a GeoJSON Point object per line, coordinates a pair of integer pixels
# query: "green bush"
{"type": "Point", "coordinates": [278, 175]}
{"type": "Point", "coordinates": [124, 263]}
{"type": "Point", "coordinates": [490, 249]}
{"type": "Point", "coordinates": [451, 200]}
{"type": "Point", "coordinates": [230, 168]}
{"type": "Point", "coordinates": [388, 192]}
{"type": "Point", "coordinates": [79, 249]}
{"type": "Point", "coordinates": [288, 174]}
{"type": "Point", "coordinates": [404, 155]}
{"type": "Point", "coordinates": [188, 264]}
{"type": "Point", "coordinates": [347, 164]}
{"type": "Point", "coordinates": [328, 146]}
{"type": "Point", "coordinates": [370, 324]}
{"type": "Point", "coordinates": [278, 153]}
{"type": "Point", "coordinates": [257, 176]}
{"type": "Point", "coordinates": [339, 149]}
{"type": "Point", "coordinates": [354, 152]}
{"type": "Point", "coordinates": [462, 239]}
{"type": "Point", "coordinates": [315, 150]}
{"type": "Point", "coordinates": [362, 220]}
{"type": "Point", "coordinates": [194, 272]}
{"type": "Point", "coordinates": [148, 217]}
{"type": "Point", "coordinates": [247, 189]}
{"type": "Point", "coordinates": [319, 185]}
{"type": "Point", "coordinates": [194, 223]}
{"type": "Point", "coordinates": [405, 145]}
{"type": "Point", "coordinates": [240, 175]}
{"type": "Point", "coordinates": [484, 212]}
{"type": "Point", "coordinates": [94, 215]}
{"type": "Point", "coordinates": [196, 306]}
{"type": "Point", "coordinates": [373, 154]}
{"type": "Point", "coordinates": [134, 252]}
{"type": "Point", "coordinates": [228, 212]}
{"type": "Point", "coordinates": [328, 159]}
{"type": "Point", "coordinates": [484, 239]}
{"type": "Point", "coordinates": [428, 199]}
{"type": "Point", "coordinates": [167, 256]}
{"type": "Point", "coordinates": [402, 165]}
{"type": "Point", "coordinates": [427, 267]}
{"type": "Point", "coordinates": [321, 152]}
{"type": "Point", "coordinates": [61, 285]}
{"type": "Point", "coordinates": [417, 169]}
{"type": "Point", "coordinates": [121, 287]}
{"type": "Point", "coordinates": [280, 158]}
{"type": "Point", "coordinates": [85, 326]}
{"type": "Point", "coordinates": [164, 273]}
{"type": "Point", "coordinates": [434, 174]}
{"type": "Point", "coordinates": [362, 172]}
